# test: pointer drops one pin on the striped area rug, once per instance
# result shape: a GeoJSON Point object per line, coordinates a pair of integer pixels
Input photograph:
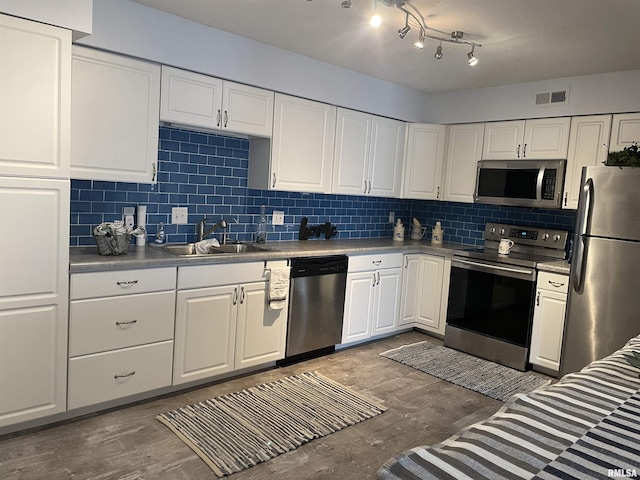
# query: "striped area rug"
{"type": "Point", "coordinates": [490, 379]}
{"type": "Point", "coordinates": [236, 431]}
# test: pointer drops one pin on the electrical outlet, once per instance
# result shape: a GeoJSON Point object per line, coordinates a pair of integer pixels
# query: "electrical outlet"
{"type": "Point", "coordinates": [277, 218]}
{"type": "Point", "coordinates": [179, 215]}
{"type": "Point", "coordinates": [392, 217]}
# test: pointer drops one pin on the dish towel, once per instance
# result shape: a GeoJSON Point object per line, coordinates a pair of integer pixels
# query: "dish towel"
{"type": "Point", "coordinates": [203, 246]}
{"type": "Point", "coordinates": [278, 287]}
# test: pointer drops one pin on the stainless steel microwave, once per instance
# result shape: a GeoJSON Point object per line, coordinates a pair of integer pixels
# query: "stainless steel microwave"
{"type": "Point", "coordinates": [520, 183]}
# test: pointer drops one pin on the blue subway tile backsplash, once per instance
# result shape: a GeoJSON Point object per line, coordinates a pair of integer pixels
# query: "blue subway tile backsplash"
{"type": "Point", "coordinates": [207, 173]}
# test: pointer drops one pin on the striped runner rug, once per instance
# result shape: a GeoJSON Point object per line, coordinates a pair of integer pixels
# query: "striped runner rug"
{"type": "Point", "coordinates": [236, 431]}
{"type": "Point", "coordinates": [473, 373]}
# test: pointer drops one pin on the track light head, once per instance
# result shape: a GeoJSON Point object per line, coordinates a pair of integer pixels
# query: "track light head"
{"type": "Point", "coordinates": [346, 4]}
{"type": "Point", "coordinates": [420, 43]}
{"type": "Point", "coordinates": [406, 29]}
{"type": "Point", "coordinates": [471, 59]}
{"type": "Point", "coordinates": [438, 55]}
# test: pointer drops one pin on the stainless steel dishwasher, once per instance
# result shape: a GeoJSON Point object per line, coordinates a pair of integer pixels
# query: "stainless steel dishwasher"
{"type": "Point", "coordinates": [316, 306]}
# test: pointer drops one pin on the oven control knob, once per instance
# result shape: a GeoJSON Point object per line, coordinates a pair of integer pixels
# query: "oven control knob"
{"type": "Point", "coordinates": [545, 237]}
{"type": "Point", "coordinates": [556, 238]}
{"type": "Point", "coordinates": [502, 231]}
{"type": "Point", "coordinates": [493, 230]}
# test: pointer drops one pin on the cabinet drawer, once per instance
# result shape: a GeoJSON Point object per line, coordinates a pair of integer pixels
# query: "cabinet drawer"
{"type": "Point", "coordinates": [201, 276]}
{"type": "Point", "coordinates": [554, 282]}
{"type": "Point", "coordinates": [361, 263]}
{"type": "Point", "coordinates": [122, 282]}
{"type": "Point", "coordinates": [101, 324]}
{"type": "Point", "coordinates": [119, 373]}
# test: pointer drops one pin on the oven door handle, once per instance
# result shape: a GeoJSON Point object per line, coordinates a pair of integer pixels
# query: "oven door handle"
{"type": "Point", "coordinates": [492, 268]}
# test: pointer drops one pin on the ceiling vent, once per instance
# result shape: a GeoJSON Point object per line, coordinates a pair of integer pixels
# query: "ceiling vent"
{"type": "Point", "coordinates": [548, 99]}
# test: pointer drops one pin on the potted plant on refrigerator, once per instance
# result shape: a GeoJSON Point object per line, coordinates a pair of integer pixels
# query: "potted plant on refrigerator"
{"type": "Point", "coordinates": [627, 157]}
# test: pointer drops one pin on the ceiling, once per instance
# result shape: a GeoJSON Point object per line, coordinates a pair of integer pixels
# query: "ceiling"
{"type": "Point", "coordinates": [522, 40]}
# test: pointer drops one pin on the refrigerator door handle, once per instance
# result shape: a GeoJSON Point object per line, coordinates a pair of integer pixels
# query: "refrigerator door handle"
{"type": "Point", "coordinates": [584, 209]}
{"type": "Point", "coordinates": [579, 254]}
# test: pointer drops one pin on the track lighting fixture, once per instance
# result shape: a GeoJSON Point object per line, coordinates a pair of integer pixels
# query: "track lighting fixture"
{"type": "Point", "coordinates": [471, 59]}
{"type": "Point", "coordinates": [412, 17]}
{"type": "Point", "coordinates": [438, 55]}
{"type": "Point", "coordinates": [346, 4]}
{"type": "Point", "coordinates": [406, 29]}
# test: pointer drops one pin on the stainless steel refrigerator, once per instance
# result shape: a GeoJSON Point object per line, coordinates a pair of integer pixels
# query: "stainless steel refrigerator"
{"type": "Point", "coordinates": [603, 310]}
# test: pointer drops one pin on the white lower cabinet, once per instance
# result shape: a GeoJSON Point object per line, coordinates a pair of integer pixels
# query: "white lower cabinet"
{"type": "Point", "coordinates": [372, 298]}
{"type": "Point", "coordinates": [120, 334]}
{"type": "Point", "coordinates": [222, 328]}
{"type": "Point", "coordinates": [548, 321]}
{"type": "Point", "coordinates": [425, 290]}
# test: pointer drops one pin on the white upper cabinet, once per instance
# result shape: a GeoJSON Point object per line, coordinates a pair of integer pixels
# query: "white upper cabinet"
{"type": "Point", "coordinates": [625, 131]}
{"type": "Point", "coordinates": [300, 156]}
{"type": "Point", "coordinates": [35, 89]}
{"type": "Point", "coordinates": [351, 157]}
{"type": "Point", "coordinates": [197, 100]}
{"type": "Point", "coordinates": [368, 155]}
{"type": "Point", "coordinates": [424, 158]}
{"type": "Point", "coordinates": [538, 139]}
{"type": "Point", "coordinates": [115, 104]}
{"type": "Point", "coordinates": [587, 148]}
{"type": "Point", "coordinates": [464, 149]}
{"type": "Point", "coordinates": [385, 157]}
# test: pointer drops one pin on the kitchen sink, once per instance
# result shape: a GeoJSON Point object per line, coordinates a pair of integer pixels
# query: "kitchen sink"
{"type": "Point", "coordinates": [189, 249]}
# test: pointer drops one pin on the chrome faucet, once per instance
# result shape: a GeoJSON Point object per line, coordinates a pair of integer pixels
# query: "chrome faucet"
{"type": "Point", "coordinates": [222, 224]}
{"type": "Point", "coordinates": [202, 233]}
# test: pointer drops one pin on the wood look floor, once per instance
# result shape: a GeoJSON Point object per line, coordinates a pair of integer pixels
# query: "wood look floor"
{"type": "Point", "coordinates": [129, 444]}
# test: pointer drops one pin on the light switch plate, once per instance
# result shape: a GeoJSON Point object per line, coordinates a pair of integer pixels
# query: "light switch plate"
{"type": "Point", "coordinates": [392, 217]}
{"type": "Point", "coordinates": [277, 218]}
{"type": "Point", "coordinates": [179, 215]}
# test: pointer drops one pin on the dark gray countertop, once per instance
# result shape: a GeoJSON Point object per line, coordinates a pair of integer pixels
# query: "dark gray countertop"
{"type": "Point", "coordinates": [558, 266]}
{"type": "Point", "coordinates": [86, 259]}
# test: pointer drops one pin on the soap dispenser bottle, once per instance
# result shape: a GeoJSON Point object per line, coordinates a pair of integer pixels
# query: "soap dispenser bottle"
{"type": "Point", "coordinates": [398, 231]}
{"type": "Point", "coordinates": [161, 237]}
{"type": "Point", "coordinates": [437, 233]}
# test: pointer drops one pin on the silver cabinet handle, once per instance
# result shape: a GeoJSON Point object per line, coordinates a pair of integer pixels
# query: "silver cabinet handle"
{"type": "Point", "coordinates": [518, 150]}
{"type": "Point", "coordinates": [438, 193]}
{"type": "Point", "coordinates": [556, 284]}
{"type": "Point", "coordinates": [524, 151]}
{"type": "Point", "coordinates": [538, 299]}
{"type": "Point", "coordinates": [378, 274]}
{"type": "Point", "coordinates": [219, 118]}
{"type": "Point", "coordinates": [365, 187]}
{"type": "Point", "coordinates": [241, 295]}
{"type": "Point", "coordinates": [374, 280]}
{"type": "Point", "coordinates": [369, 187]}
{"type": "Point", "coordinates": [566, 195]}
{"type": "Point", "coordinates": [155, 172]}
{"type": "Point", "coordinates": [406, 261]}
{"type": "Point", "coordinates": [273, 184]}
{"type": "Point", "coordinates": [376, 262]}
{"type": "Point", "coordinates": [127, 284]}
{"type": "Point", "coordinates": [235, 295]}
{"type": "Point", "coordinates": [126, 322]}
{"type": "Point", "coordinates": [125, 375]}
{"type": "Point", "coordinates": [226, 118]}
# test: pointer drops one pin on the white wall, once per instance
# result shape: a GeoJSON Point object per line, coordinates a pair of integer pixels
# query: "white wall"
{"type": "Point", "coordinates": [72, 14]}
{"type": "Point", "coordinates": [130, 28]}
{"type": "Point", "coordinates": [590, 94]}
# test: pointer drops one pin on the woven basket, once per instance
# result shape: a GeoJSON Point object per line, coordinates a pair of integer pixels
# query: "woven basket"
{"type": "Point", "coordinates": [113, 245]}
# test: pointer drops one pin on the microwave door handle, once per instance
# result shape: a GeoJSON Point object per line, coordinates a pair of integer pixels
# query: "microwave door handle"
{"type": "Point", "coordinates": [539, 184]}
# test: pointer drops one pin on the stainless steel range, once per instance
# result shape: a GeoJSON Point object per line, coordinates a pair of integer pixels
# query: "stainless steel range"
{"type": "Point", "coordinates": [491, 296]}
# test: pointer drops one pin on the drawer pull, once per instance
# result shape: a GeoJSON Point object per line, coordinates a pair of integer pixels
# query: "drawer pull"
{"type": "Point", "coordinates": [127, 322]}
{"type": "Point", "coordinates": [125, 375]}
{"type": "Point", "coordinates": [127, 284]}
{"type": "Point", "coordinates": [376, 262]}
{"type": "Point", "coordinates": [556, 284]}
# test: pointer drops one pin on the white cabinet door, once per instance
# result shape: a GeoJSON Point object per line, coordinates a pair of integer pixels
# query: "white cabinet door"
{"type": "Point", "coordinates": [385, 157]}
{"type": "Point", "coordinates": [247, 110]}
{"type": "Point", "coordinates": [303, 141]}
{"type": "Point", "coordinates": [358, 306]}
{"type": "Point", "coordinates": [588, 142]}
{"type": "Point", "coordinates": [34, 293]}
{"type": "Point", "coordinates": [464, 149]}
{"type": "Point", "coordinates": [625, 131]}
{"type": "Point", "coordinates": [430, 293]}
{"type": "Point", "coordinates": [424, 159]}
{"type": "Point", "coordinates": [115, 103]}
{"type": "Point", "coordinates": [386, 305]}
{"type": "Point", "coordinates": [546, 138]}
{"type": "Point", "coordinates": [410, 289]}
{"type": "Point", "coordinates": [205, 333]}
{"type": "Point", "coordinates": [351, 156]}
{"type": "Point", "coordinates": [503, 140]}
{"type": "Point", "coordinates": [35, 98]}
{"type": "Point", "coordinates": [548, 328]}
{"type": "Point", "coordinates": [261, 333]}
{"type": "Point", "coordinates": [33, 373]}
{"type": "Point", "coordinates": [191, 99]}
